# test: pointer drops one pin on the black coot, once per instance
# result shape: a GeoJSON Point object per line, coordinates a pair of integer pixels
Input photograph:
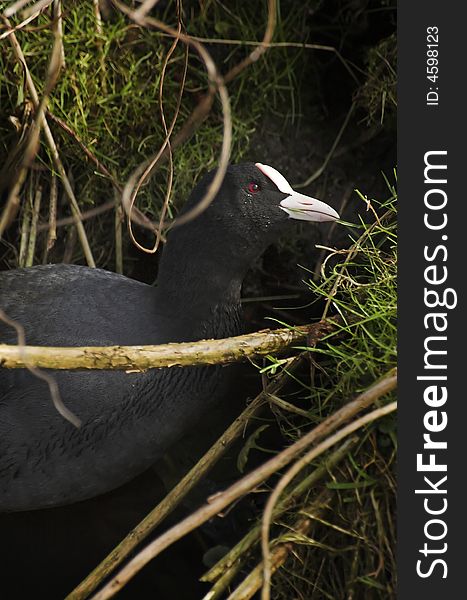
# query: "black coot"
{"type": "Point", "coordinates": [130, 419]}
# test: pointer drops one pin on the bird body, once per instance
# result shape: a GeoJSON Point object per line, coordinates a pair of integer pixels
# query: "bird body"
{"type": "Point", "coordinates": [130, 419]}
{"type": "Point", "coordinates": [126, 416]}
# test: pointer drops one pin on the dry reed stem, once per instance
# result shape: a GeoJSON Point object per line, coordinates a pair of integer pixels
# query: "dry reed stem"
{"type": "Point", "coordinates": [17, 6]}
{"type": "Point", "coordinates": [33, 227]}
{"type": "Point", "coordinates": [25, 226]}
{"type": "Point", "coordinates": [52, 229]}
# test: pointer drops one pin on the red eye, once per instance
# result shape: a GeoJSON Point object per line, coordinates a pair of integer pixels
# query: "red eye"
{"type": "Point", "coordinates": [253, 187]}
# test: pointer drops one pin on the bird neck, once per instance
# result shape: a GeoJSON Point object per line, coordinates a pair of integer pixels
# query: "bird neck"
{"type": "Point", "coordinates": [201, 277]}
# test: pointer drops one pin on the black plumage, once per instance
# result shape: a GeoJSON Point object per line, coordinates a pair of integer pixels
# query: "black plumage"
{"type": "Point", "coordinates": [130, 419]}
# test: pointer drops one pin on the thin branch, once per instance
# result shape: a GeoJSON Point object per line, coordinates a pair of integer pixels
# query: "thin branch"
{"type": "Point", "coordinates": [204, 107]}
{"type": "Point", "coordinates": [15, 7]}
{"type": "Point", "coordinates": [58, 15]}
{"type": "Point", "coordinates": [137, 216]}
{"type": "Point", "coordinates": [31, 142]}
{"type": "Point", "coordinates": [52, 225]}
{"type": "Point", "coordinates": [218, 589]}
{"type": "Point", "coordinates": [21, 25]}
{"type": "Point", "coordinates": [100, 44]}
{"type": "Point", "coordinates": [204, 352]}
{"type": "Point", "coordinates": [25, 224]}
{"type": "Point", "coordinates": [118, 224]}
{"type": "Point", "coordinates": [299, 45]}
{"type": "Point", "coordinates": [100, 166]}
{"type": "Point", "coordinates": [38, 6]}
{"type": "Point", "coordinates": [88, 214]}
{"type": "Point", "coordinates": [33, 227]}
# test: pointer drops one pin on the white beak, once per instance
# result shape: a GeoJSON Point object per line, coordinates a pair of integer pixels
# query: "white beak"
{"type": "Point", "coordinates": [296, 205]}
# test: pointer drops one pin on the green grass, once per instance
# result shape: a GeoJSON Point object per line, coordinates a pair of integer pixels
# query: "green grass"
{"type": "Point", "coordinates": [108, 94]}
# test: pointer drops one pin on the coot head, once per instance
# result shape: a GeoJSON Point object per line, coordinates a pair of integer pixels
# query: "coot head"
{"type": "Point", "coordinates": [256, 200]}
